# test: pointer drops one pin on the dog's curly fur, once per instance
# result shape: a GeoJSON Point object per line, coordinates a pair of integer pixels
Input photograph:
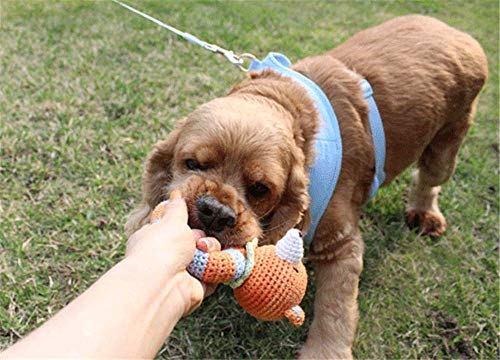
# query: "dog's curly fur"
{"type": "Point", "coordinates": [426, 78]}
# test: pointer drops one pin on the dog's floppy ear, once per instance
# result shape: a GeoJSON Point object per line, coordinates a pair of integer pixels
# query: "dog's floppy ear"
{"type": "Point", "coordinates": [293, 209]}
{"type": "Point", "coordinates": [305, 127]}
{"type": "Point", "coordinates": [293, 205]}
{"type": "Point", "coordinates": [157, 176]}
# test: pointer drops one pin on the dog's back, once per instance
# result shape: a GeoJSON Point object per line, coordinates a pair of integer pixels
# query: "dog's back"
{"type": "Point", "coordinates": [419, 49]}
{"type": "Point", "coordinates": [424, 74]}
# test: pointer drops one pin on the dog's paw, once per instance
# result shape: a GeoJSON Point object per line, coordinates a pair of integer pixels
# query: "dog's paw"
{"type": "Point", "coordinates": [431, 223]}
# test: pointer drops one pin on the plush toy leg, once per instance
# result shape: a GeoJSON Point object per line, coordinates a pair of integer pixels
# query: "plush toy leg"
{"type": "Point", "coordinates": [295, 315]}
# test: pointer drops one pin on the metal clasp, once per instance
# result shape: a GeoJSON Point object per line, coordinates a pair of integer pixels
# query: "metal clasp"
{"type": "Point", "coordinates": [237, 60]}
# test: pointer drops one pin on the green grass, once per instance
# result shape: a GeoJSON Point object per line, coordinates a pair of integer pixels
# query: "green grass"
{"type": "Point", "coordinates": [86, 88]}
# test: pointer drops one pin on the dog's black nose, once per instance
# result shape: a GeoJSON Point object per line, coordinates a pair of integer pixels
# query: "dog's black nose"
{"type": "Point", "coordinates": [214, 216]}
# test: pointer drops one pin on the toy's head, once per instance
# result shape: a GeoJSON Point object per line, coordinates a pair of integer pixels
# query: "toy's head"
{"type": "Point", "coordinates": [278, 280]}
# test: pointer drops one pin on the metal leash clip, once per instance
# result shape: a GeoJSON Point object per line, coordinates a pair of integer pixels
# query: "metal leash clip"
{"type": "Point", "coordinates": [237, 60]}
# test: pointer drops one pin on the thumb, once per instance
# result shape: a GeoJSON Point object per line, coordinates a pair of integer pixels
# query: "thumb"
{"type": "Point", "coordinates": [176, 209]}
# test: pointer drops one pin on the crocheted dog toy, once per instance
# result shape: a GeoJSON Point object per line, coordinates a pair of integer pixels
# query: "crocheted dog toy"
{"type": "Point", "coordinates": [269, 282]}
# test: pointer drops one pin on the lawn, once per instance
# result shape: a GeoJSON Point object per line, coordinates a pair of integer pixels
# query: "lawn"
{"type": "Point", "coordinates": [86, 88]}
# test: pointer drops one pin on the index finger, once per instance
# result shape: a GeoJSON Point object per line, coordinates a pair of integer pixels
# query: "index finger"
{"type": "Point", "coordinates": [208, 244]}
{"type": "Point", "coordinates": [174, 209]}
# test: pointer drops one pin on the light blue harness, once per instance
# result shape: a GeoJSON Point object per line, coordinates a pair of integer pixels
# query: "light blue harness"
{"type": "Point", "coordinates": [325, 172]}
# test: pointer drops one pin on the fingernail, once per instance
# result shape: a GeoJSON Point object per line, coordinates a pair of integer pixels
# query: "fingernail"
{"type": "Point", "coordinates": [175, 195]}
{"type": "Point", "coordinates": [212, 244]}
{"type": "Point", "coordinates": [202, 244]}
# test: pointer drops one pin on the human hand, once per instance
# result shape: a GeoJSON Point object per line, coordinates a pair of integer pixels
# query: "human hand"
{"type": "Point", "coordinates": [171, 238]}
{"type": "Point", "coordinates": [171, 243]}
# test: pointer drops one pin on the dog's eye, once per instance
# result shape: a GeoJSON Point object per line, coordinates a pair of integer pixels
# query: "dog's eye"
{"type": "Point", "coordinates": [258, 189]}
{"type": "Point", "coordinates": [192, 164]}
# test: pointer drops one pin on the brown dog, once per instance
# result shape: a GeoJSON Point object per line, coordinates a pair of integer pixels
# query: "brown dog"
{"type": "Point", "coordinates": [242, 160]}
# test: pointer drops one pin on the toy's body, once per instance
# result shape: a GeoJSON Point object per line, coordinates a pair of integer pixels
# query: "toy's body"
{"type": "Point", "coordinates": [269, 281]}
{"type": "Point", "coordinates": [266, 285]}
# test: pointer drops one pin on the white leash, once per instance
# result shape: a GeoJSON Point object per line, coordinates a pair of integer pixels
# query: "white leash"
{"type": "Point", "coordinates": [237, 60]}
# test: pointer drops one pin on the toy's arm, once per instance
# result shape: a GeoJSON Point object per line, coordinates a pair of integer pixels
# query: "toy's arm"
{"type": "Point", "coordinates": [217, 266]}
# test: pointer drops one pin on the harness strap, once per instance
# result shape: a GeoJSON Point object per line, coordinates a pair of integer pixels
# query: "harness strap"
{"type": "Point", "coordinates": [378, 136]}
{"type": "Point", "coordinates": [325, 172]}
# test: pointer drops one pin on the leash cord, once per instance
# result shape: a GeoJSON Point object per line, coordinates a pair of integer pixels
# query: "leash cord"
{"type": "Point", "coordinates": [237, 60]}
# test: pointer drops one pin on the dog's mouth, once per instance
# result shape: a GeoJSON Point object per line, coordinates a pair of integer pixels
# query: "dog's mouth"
{"type": "Point", "coordinates": [220, 214]}
{"type": "Point", "coordinates": [228, 237]}
{"type": "Point", "coordinates": [194, 222]}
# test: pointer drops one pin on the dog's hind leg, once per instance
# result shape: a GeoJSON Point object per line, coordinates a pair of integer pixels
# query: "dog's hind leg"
{"type": "Point", "coordinates": [435, 166]}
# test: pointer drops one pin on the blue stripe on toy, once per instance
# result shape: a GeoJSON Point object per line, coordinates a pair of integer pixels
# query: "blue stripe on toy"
{"type": "Point", "coordinates": [199, 264]}
{"type": "Point", "coordinates": [297, 310]}
{"type": "Point", "coordinates": [239, 263]}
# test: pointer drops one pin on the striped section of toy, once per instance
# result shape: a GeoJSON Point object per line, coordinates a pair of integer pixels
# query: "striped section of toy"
{"type": "Point", "coordinates": [225, 266]}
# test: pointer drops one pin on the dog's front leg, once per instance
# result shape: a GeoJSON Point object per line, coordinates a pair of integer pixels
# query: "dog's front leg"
{"type": "Point", "coordinates": [336, 310]}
